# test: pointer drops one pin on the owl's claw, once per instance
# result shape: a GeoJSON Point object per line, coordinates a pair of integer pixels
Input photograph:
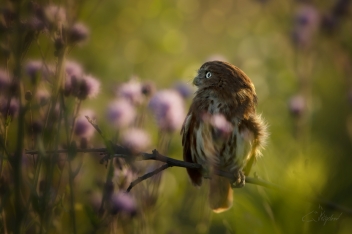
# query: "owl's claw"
{"type": "Point", "coordinates": [206, 172]}
{"type": "Point", "coordinates": [239, 181]}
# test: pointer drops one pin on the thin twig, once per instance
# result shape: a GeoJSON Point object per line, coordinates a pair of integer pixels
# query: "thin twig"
{"type": "Point", "coordinates": [146, 176]}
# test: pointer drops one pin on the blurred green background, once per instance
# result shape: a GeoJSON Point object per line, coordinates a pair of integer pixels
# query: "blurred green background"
{"type": "Point", "coordinates": [299, 56]}
{"type": "Point", "coordinates": [167, 41]}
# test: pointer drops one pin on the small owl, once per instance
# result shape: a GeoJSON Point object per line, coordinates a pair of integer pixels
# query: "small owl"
{"type": "Point", "coordinates": [224, 103]}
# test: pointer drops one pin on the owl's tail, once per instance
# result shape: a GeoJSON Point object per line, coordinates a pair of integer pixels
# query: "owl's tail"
{"type": "Point", "coordinates": [220, 194]}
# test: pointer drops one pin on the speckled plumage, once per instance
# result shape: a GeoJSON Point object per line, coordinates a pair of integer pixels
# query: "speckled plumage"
{"type": "Point", "coordinates": [228, 92]}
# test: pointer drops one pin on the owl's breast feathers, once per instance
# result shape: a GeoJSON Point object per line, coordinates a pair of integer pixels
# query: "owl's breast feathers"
{"type": "Point", "coordinates": [233, 153]}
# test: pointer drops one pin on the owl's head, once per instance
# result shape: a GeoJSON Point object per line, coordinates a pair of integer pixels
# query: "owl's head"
{"type": "Point", "coordinates": [223, 76]}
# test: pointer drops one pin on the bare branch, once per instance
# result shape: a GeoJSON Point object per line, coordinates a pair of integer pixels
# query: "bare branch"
{"type": "Point", "coordinates": [146, 176]}
{"type": "Point", "coordinates": [121, 152]}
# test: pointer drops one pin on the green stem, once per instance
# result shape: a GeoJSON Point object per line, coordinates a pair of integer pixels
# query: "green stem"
{"type": "Point", "coordinates": [78, 107]}
{"type": "Point", "coordinates": [70, 156]}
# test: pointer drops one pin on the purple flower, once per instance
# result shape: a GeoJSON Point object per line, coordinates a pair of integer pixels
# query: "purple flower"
{"type": "Point", "coordinates": [82, 127]}
{"type": "Point", "coordinates": [222, 128]}
{"type": "Point", "coordinates": [78, 33]}
{"type": "Point", "coordinates": [306, 23]}
{"type": "Point", "coordinates": [123, 203]}
{"type": "Point", "coordinates": [28, 95]}
{"type": "Point", "coordinates": [168, 109]}
{"type": "Point", "coordinates": [297, 105]}
{"type": "Point", "coordinates": [148, 89]}
{"type": "Point", "coordinates": [42, 96]}
{"type": "Point", "coordinates": [9, 109]}
{"type": "Point", "coordinates": [131, 90]}
{"type": "Point", "coordinates": [121, 113]}
{"type": "Point", "coordinates": [55, 14]}
{"type": "Point", "coordinates": [184, 89]}
{"type": "Point", "coordinates": [36, 127]}
{"type": "Point", "coordinates": [74, 72]}
{"type": "Point", "coordinates": [84, 87]}
{"type": "Point", "coordinates": [33, 69]}
{"type": "Point", "coordinates": [35, 24]}
{"type": "Point", "coordinates": [73, 69]}
{"type": "Point", "coordinates": [136, 140]}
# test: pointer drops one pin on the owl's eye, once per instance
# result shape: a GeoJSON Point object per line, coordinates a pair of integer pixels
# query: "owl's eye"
{"type": "Point", "coordinates": [208, 75]}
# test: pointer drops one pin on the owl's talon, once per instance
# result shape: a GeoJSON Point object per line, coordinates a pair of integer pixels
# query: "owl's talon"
{"type": "Point", "coordinates": [239, 181]}
{"type": "Point", "coordinates": [206, 172]}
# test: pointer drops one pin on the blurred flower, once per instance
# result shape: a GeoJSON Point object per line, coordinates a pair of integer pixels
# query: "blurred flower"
{"type": "Point", "coordinates": [35, 24]}
{"type": "Point", "coordinates": [74, 69]}
{"type": "Point", "coordinates": [168, 109]}
{"type": "Point", "coordinates": [222, 128]}
{"type": "Point", "coordinates": [7, 15]}
{"type": "Point", "coordinates": [28, 95]}
{"type": "Point", "coordinates": [36, 126]}
{"type": "Point", "coordinates": [82, 87]}
{"type": "Point", "coordinates": [123, 203]}
{"type": "Point", "coordinates": [184, 89]}
{"type": "Point", "coordinates": [306, 23]}
{"type": "Point", "coordinates": [148, 89]}
{"type": "Point", "coordinates": [297, 105]}
{"type": "Point", "coordinates": [4, 79]}
{"type": "Point", "coordinates": [341, 8]}
{"type": "Point", "coordinates": [42, 96]}
{"type": "Point", "coordinates": [131, 90]}
{"type": "Point", "coordinates": [74, 72]}
{"type": "Point", "coordinates": [78, 33]}
{"type": "Point", "coordinates": [55, 14]}
{"type": "Point", "coordinates": [136, 140]}
{"type": "Point", "coordinates": [33, 68]}
{"type": "Point", "coordinates": [11, 109]}
{"type": "Point", "coordinates": [82, 127]}
{"type": "Point", "coordinates": [332, 19]}
{"type": "Point", "coordinates": [121, 113]}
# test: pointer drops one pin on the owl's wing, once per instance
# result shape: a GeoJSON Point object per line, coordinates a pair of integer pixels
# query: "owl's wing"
{"type": "Point", "coordinates": [188, 141]}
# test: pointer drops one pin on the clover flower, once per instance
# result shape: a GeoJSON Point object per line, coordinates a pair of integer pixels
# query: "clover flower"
{"type": "Point", "coordinates": [131, 90]}
{"type": "Point", "coordinates": [136, 140]}
{"type": "Point", "coordinates": [78, 33]}
{"type": "Point", "coordinates": [121, 113]}
{"type": "Point", "coordinates": [297, 105]}
{"type": "Point", "coordinates": [306, 23]}
{"type": "Point", "coordinates": [82, 127]}
{"type": "Point", "coordinates": [123, 203]}
{"type": "Point", "coordinates": [168, 109]}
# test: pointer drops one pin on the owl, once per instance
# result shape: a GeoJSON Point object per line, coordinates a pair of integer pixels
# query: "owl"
{"type": "Point", "coordinates": [224, 93]}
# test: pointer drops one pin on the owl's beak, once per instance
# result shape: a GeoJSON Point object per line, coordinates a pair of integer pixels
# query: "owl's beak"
{"type": "Point", "coordinates": [196, 81]}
